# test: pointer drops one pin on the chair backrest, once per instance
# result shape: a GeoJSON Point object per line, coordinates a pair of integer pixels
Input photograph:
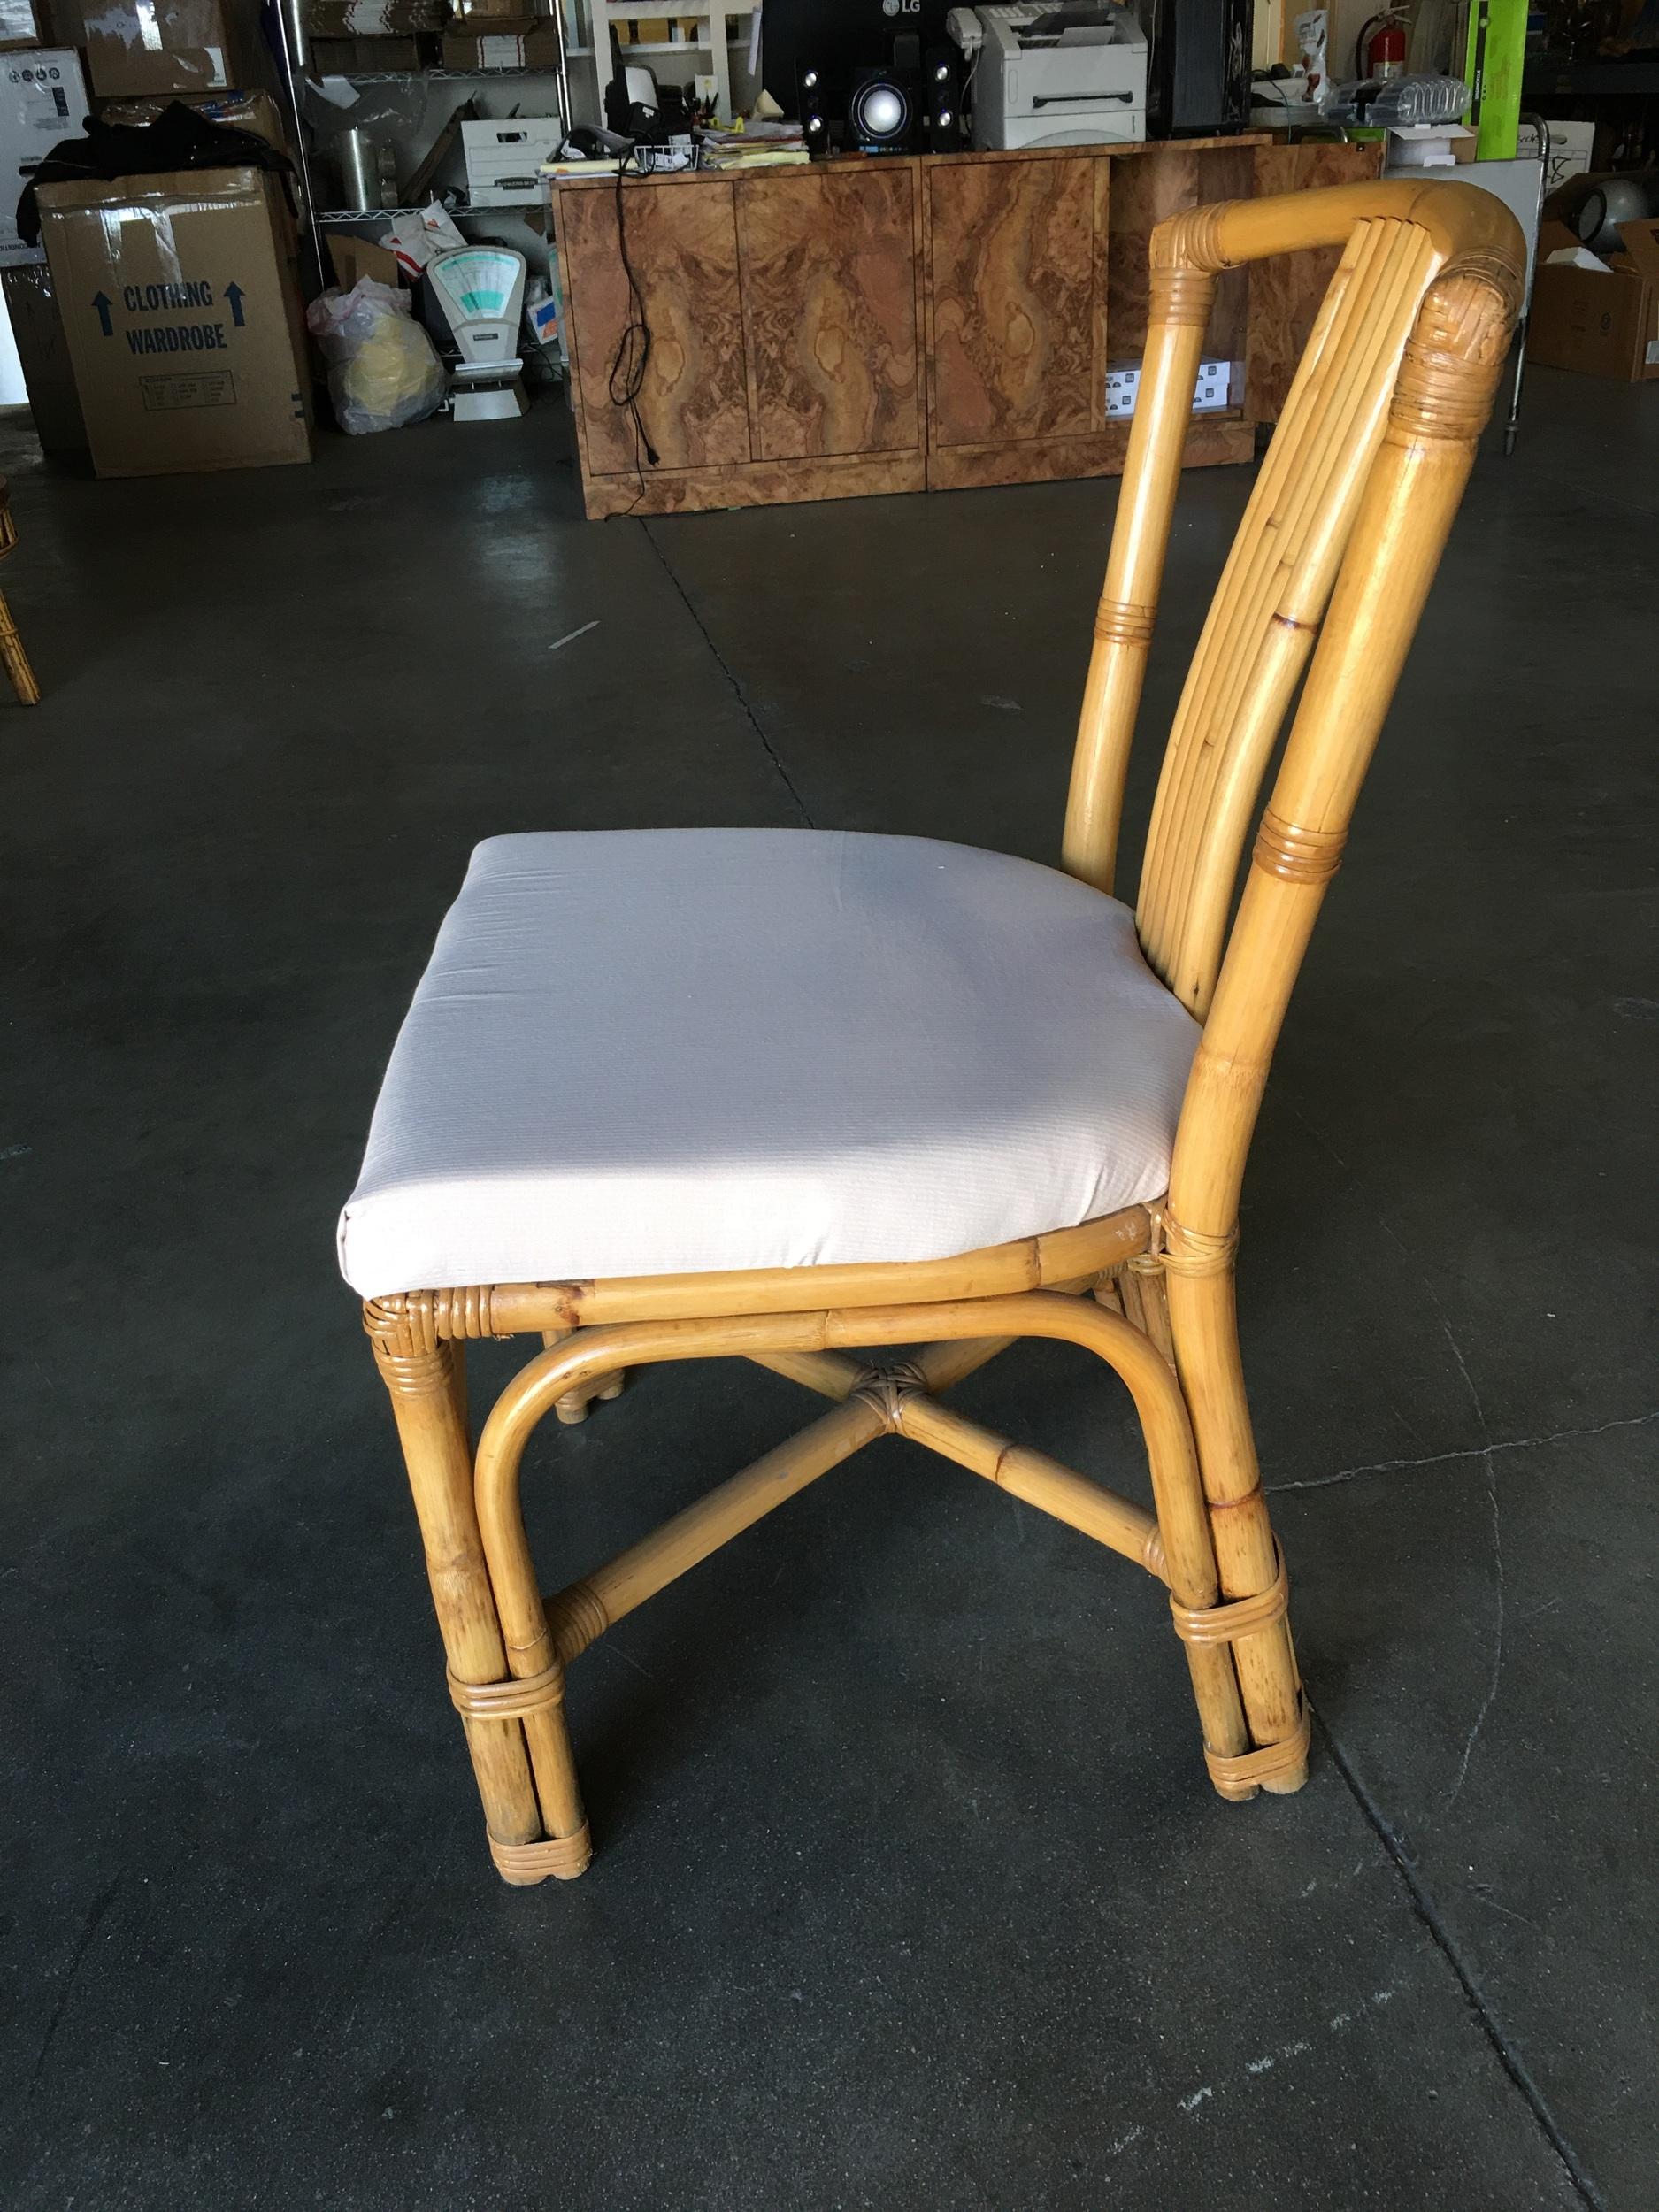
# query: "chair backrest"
{"type": "Point", "coordinates": [1326, 581]}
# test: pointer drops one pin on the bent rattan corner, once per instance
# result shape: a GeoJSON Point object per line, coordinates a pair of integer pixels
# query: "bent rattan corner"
{"type": "Point", "coordinates": [1324, 589]}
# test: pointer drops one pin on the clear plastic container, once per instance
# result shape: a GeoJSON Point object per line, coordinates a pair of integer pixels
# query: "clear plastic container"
{"type": "Point", "coordinates": [1398, 102]}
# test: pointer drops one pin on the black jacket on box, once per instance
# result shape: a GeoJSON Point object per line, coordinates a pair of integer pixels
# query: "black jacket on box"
{"type": "Point", "coordinates": [180, 138]}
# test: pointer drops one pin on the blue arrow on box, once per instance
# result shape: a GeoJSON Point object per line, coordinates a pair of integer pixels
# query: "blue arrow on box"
{"type": "Point", "coordinates": [233, 293]}
{"type": "Point", "coordinates": [104, 305]}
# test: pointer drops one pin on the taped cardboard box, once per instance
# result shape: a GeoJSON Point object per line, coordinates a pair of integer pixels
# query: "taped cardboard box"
{"type": "Point", "coordinates": [255, 112]}
{"type": "Point", "coordinates": [43, 351]}
{"type": "Point", "coordinates": [141, 46]}
{"type": "Point", "coordinates": [1601, 321]}
{"type": "Point", "coordinates": [42, 101]}
{"type": "Point", "coordinates": [181, 308]}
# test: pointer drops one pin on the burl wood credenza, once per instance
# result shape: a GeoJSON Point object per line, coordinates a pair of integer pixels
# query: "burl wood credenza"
{"type": "Point", "coordinates": [910, 323]}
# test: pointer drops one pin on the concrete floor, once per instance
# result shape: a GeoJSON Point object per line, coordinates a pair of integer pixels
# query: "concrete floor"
{"type": "Point", "coordinates": [911, 1890]}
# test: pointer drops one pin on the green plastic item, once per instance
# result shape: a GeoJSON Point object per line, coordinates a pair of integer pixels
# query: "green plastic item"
{"type": "Point", "coordinates": [1497, 53]}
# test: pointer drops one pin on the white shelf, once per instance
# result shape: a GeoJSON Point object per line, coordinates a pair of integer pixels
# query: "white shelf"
{"type": "Point", "coordinates": [676, 46]}
{"type": "Point", "coordinates": [386, 214]}
{"type": "Point", "coordinates": [442, 76]}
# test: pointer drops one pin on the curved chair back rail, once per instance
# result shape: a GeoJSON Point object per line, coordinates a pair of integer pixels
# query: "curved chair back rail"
{"type": "Point", "coordinates": [1323, 591]}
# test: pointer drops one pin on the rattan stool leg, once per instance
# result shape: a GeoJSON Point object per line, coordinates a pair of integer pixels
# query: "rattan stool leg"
{"type": "Point", "coordinates": [17, 661]}
{"type": "Point", "coordinates": [1203, 1320]}
{"type": "Point", "coordinates": [421, 1384]}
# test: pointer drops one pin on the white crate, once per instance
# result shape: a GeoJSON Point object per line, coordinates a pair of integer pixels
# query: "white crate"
{"type": "Point", "coordinates": [503, 155]}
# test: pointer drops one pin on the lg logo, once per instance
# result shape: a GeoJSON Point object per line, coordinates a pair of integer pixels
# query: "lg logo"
{"type": "Point", "coordinates": [900, 7]}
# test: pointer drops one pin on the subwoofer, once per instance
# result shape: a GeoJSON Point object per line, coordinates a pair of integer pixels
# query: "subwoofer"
{"type": "Point", "coordinates": [882, 110]}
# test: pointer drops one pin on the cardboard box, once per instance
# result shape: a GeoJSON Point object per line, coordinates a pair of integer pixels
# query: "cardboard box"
{"type": "Point", "coordinates": [505, 155]}
{"type": "Point", "coordinates": [182, 310]}
{"type": "Point", "coordinates": [531, 42]}
{"type": "Point", "coordinates": [255, 112]}
{"type": "Point", "coordinates": [141, 46]}
{"type": "Point", "coordinates": [23, 24]}
{"type": "Point", "coordinates": [354, 258]}
{"type": "Point", "coordinates": [43, 350]}
{"type": "Point", "coordinates": [1601, 322]}
{"type": "Point", "coordinates": [44, 100]}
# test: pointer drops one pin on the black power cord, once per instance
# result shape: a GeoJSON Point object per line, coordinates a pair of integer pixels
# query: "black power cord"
{"type": "Point", "coordinates": [632, 358]}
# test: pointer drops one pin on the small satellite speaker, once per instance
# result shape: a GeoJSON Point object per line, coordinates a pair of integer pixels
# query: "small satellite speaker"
{"type": "Point", "coordinates": [812, 107]}
{"type": "Point", "coordinates": [941, 99]}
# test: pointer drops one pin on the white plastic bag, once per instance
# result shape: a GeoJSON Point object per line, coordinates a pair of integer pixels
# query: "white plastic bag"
{"type": "Point", "coordinates": [382, 370]}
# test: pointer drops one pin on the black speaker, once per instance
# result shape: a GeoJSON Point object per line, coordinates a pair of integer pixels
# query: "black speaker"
{"type": "Point", "coordinates": [812, 107]}
{"type": "Point", "coordinates": [882, 110]}
{"type": "Point", "coordinates": [1198, 70]}
{"type": "Point", "coordinates": [941, 99]}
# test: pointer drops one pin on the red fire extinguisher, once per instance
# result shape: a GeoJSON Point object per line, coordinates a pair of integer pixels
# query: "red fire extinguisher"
{"type": "Point", "coordinates": [1381, 46]}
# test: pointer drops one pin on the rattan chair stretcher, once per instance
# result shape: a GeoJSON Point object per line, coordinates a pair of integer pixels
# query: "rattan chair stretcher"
{"type": "Point", "coordinates": [1323, 588]}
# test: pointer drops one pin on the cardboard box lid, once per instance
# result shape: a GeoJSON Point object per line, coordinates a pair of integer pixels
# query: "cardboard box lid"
{"type": "Point", "coordinates": [170, 187]}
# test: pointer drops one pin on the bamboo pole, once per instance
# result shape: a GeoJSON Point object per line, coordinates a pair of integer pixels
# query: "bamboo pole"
{"type": "Point", "coordinates": [1032, 1476]}
{"type": "Point", "coordinates": [608, 1593]}
{"type": "Point", "coordinates": [1028, 1263]}
{"type": "Point", "coordinates": [1180, 306]}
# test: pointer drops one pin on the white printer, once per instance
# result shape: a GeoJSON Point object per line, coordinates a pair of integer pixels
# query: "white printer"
{"type": "Point", "coordinates": [1054, 72]}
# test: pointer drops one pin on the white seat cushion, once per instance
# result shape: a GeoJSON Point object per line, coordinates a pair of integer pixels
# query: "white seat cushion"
{"type": "Point", "coordinates": [645, 1052]}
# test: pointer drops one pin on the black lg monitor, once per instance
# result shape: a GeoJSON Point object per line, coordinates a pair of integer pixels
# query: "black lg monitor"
{"type": "Point", "coordinates": [839, 37]}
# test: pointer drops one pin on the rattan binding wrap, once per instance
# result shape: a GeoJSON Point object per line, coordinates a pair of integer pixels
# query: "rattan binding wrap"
{"type": "Point", "coordinates": [564, 1858]}
{"type": "Point", "coordinates": [1238, 1617]}
{"type": "Point", "coordinates": [1251, 1770]}
{"type": "Point", "coordinates": [509, 1701]}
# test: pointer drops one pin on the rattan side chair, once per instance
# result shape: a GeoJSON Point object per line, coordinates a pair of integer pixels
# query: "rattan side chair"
{"type": "Point", "coordinates": [788, 1095]}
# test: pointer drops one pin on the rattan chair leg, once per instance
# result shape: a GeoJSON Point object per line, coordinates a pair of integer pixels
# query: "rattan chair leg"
{"type": "Point", "coordinates": [421, 1383]}
{"type": "Point", "coordinates": [1204, 1322]}
{"type": "Point", "coordinates": [1146, 1300]}
{"type": "Point", "coordinates": [17, 661]}
{"type": "Point", "coordinates": [458, 1387]}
